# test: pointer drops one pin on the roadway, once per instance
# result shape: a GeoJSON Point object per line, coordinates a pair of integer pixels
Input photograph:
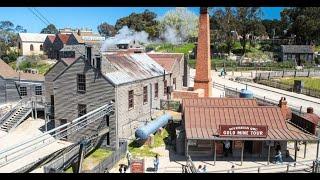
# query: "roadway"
{"type": "Point", "coordinates": [293, 99]}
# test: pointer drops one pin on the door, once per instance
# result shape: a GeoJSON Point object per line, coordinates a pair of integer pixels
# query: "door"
{"type": "Point", "coordinates": [248, 146]}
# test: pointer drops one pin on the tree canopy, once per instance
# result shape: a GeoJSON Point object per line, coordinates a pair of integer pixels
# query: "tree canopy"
{"type": "Point", "coordinates": [106, 30]}
{"type": "Point", "coordinates": [50, 29]}
{"type": "Point", "coordinates": [145, 21]}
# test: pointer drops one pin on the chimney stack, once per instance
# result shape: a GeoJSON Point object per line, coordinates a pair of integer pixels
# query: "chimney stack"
{"type": "Point", "coordinates": [202, 78]}
{"type": "Point", "coordinates": [310, 110]}
{"type": "Point", "coordinates": [285, 110]}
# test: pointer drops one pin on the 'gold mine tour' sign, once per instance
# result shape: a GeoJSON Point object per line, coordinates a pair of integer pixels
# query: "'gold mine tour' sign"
{"type": "Point", "coordinates": [243, 131]}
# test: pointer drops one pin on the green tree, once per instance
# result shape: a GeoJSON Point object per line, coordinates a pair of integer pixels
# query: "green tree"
{"type": "Point", "coordinates": [8, 37]}
{"type": "Point", "coordinates": [50, 29]}
{"type": "Point", "coordinates": [225, 24]}
{"type": "Point", "coordinates": [247, 19]}
{"type": "Point", "coordinates": [304, 23]}
{"type": "Point", "coordinates": [106, 30]}
{"type": "Point", "coordinates": [145, 21]}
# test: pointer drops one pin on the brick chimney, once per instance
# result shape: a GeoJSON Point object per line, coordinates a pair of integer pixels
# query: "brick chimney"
{"type": "Point", "coordinates": [203, 79]}
{"type": "Point", "coordinates": [285, 110]}
{"type": "Point", "coordinates": [310, 110]}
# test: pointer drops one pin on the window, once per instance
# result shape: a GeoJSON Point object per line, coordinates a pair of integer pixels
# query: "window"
{"type": "Point", "coordinates": [41, 47]}
{"type": "Point", "coordinates": [19, 45]}
{"type": "Point", "coordinates": [38, 90]}
{"type": "Point", "coordinates": [165, 87]}
{"type": "Point", "coordinates": [156, 90]}
{"type": "Point", "coordinates": [82, 109]}
{"type": "Point", "coordinates": [81, 83]}
{"type": "Point", "coordinates": [175, 83]}
{"type": "Point", "coordinates": [145, 94]}
{"type": "Point", "coordinates": [31, 47]}
{"type": "Point", "coordinates": [130, 99]}
{"type": "Point", "coordinates": [23, 91]}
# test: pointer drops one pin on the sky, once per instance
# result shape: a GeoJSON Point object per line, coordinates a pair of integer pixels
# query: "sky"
{"type": "Point", "coordinates": [89, 17]}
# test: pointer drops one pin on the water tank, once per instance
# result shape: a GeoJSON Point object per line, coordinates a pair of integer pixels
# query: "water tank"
{"type": "Point", "coordinates": [144, 131]}
{"type": "Point", "coordinates": [246, 93]}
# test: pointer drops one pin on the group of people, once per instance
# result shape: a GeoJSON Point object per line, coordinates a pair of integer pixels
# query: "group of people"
{"type": "Point", "coordinates": [123, 168]}
{"type": "Point", "coordinates": [202, 169]}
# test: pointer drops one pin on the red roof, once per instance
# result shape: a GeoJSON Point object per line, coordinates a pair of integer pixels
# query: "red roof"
{"type": "Point", "coordinates": [64, 37]}
{"type": "Point", "coordinates": [202, 122]}
{"type": "Point", "coordinates": [315, 119]}
{"type": "Point", "coordinates": [166, 60]}
{"type": "Point", "coordinates": [212, 101]}
{"type": "Point", "coordinates": [52, 38]}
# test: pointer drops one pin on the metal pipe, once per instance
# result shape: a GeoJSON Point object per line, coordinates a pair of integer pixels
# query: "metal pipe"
{"type": "Point", "coordinates": [215, 152]}
{"type": "Point", "coordinates": [305, 150]}
{"type": "Point", "coordinates": [269, 154]}
{"type": "Point", "coordinates": [242, 152]}
{"type": "Point", "coordinates": [317, 156]}
{"type": "Point", "coordinates": [295, 150]}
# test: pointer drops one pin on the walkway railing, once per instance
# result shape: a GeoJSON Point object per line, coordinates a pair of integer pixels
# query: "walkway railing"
{"type": "Point", "coordinates": [24, 148]}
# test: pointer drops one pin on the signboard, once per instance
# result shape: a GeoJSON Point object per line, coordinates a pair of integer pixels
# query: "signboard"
{"type": "Point", "coordinates": [137, 166]}
{"type": "Point", "coordinates": [243, 131]}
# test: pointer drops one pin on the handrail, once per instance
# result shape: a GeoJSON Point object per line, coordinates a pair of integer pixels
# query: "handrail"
{"type": "Point", "coordinates": [6, 115]}
{"type": "Point", "coordinates": [62, 131]}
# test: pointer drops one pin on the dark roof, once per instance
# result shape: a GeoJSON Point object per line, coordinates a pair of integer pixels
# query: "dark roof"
{"type": "Point", "coordinates": [297, 49]}
{"type": "Point", "coordinates": [313, 118]}
{"type": "Point", "coordinates": [202, 122]}
{"type": "Point", "coordinates": [51, 38]}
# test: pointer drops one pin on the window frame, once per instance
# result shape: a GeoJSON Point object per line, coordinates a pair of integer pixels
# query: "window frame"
{"type": "Point", "coordinates": [156, 90]}
{"type": "Point", "coordinates": [26, 91]}
{"type": "Point", "coordinates": [145, 94]}
{"type": "Point", "coordinates": [37, 90]}
{"type": "Point", "coordinates": [174, 80]}
{"type": "Point", "coordinates": [31, 47]}
{"type": "Point", "coordinates": [81, 84]}
{"type": "Point", "coordinates": [130, 99]}
{"type": "Point", "coordinates": [82, 109]}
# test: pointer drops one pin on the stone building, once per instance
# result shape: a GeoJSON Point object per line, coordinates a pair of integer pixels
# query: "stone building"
{"type": "Point", "coordinates": [31, 43]}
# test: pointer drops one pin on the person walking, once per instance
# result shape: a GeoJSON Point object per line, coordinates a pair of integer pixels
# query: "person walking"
{"type": "Point", "coordinates": [279, 157]}
{"type": "Point", "coordinates": [129, 156]}
{"type": "Point", "coordinates": [200, 169]}
{"type": "Point", "coordinates": [232, 169]}
{"type": "Point", "coordinates": [121, 168]}
{"type": "Point", "coordinates": [156, 163]}
{"type": "Point", "coordinates": [204, 169]}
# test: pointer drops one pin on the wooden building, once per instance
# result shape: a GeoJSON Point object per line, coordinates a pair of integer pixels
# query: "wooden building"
{"type": "Point", "coordinates": [297, 53]}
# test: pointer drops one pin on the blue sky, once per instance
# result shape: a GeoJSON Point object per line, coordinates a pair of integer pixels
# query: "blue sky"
{"type": "Point", "coordinates": [89, 17]}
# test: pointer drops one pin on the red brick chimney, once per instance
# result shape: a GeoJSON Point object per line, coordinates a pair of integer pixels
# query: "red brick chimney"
{"type": "Point", "coordinates": [203, 79]}
{"type": "Point", "coordinates": [285, 110]}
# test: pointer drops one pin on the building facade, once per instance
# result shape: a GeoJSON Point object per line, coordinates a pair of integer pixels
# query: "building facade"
{"type": "Point", "coordinates": [31, 43]}
{"type": "Point", "coordinates": [17, 85]}
{"type": "Point", "coordinates": [297, 53]}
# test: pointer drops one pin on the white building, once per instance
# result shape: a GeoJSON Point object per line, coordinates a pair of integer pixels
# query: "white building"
{"type": "Point", "coordinates": [31, 43]}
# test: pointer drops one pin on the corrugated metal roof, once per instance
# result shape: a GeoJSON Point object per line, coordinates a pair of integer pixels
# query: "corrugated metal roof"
{"type": "Point", "coordinates": [213, 101]}
{"type": "Point", "coordinates": [132, 67]}
{"type": "Point", "coordinates": [33, 37]}
{"type": "Point", "coordinates": [297, 48]}
{"type": "Point", "coordinates": [63, 37]}
{"type": "Point", "coordinates": [166, 60]}
{"type": "Point", "coordinates": [203, 122]}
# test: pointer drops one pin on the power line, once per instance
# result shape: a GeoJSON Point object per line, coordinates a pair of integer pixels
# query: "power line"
{"type": "Point", "coordinates": [37, 16]}
{"type": "Point", "coordinates": [42, 16]}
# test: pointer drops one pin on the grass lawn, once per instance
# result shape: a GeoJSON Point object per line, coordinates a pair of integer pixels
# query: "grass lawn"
{"type": "Point", "coordinates": [183, 48]}
{"type": "Point", "coordinates": [42, 67]}
{"type": "Point", "coordinates": [95, 158]}
{"type": "Point", "coordinates": [313, 83]}
{"type": "Point", "coordinates": [145, 150]}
